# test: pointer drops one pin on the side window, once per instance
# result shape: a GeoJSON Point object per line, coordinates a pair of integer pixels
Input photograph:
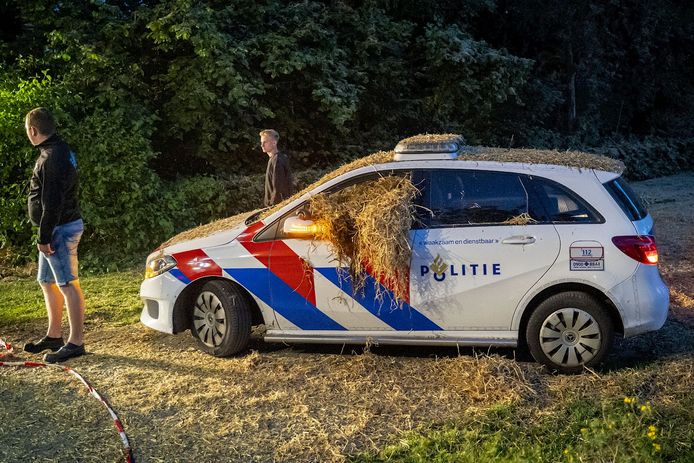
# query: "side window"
{"type": "Point", "coordinates": [563, 205]}
{"type": "Point", "coordinates": [460, 197]}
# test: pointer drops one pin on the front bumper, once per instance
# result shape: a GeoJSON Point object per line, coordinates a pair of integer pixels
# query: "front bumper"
{"type": "Point", "coordinates": [159, 295]}
{"type": "Point", "coordinates": [644, 301]}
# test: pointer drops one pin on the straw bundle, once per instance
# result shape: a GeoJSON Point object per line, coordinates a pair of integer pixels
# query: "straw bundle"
{"type": "Point", "coordinates": [368, 227]}
{"type": "Point", "coordinates": [521, 219]}
{"type": "Point", "coordinates": [379, 157]}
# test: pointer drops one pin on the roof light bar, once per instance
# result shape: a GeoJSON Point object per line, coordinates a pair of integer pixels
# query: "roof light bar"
{"type": "Point", "coordinates": [427, 147]}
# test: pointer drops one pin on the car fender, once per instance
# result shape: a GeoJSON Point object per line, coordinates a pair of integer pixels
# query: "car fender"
{"type": "Point", "coordinates": [530, 296]}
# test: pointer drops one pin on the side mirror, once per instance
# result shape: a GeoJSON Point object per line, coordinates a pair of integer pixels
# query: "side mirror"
{"type": "Point", "coordinates": [296, 227]}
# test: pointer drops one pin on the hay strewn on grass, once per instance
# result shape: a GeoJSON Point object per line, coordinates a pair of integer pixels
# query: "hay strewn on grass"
{"type": "Point", "coordinates": [302, 403]}
{"type": "Point", "coordinates": [368, 224]}
{"type": "Point", "coordinates": [577, 159]}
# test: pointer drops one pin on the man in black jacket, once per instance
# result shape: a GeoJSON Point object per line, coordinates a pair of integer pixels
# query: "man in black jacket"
{"type": "Point", "coordinates": [54, 208]}
{"type": "Point", "coordinates": [278, 177]}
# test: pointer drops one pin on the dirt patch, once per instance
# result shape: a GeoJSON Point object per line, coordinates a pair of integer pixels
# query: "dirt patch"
{"type": "Point", "coordinates": [670, 200]}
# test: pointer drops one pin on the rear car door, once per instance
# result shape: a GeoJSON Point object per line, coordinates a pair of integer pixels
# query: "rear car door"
{"type": "Point", "coordinates": [481, 250]}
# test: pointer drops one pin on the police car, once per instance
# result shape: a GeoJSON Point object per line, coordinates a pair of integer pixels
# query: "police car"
{"type": "Point", "coordinates": [581, 268]}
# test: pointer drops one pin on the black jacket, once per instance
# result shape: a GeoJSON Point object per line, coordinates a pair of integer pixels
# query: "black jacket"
{"type": "Point", "coordinates": [278, 179]}
{"type": "Point", "coordinates": [53, 188]}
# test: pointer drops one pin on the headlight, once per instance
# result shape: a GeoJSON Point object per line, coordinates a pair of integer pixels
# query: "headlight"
{"type": "Point", "coordinates": [157, 264]}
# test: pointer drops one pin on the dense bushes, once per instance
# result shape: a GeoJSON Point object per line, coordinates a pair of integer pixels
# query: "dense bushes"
{"type": "Point", "coordinates": [650, 156]}
{"type": "Point", "coordinates": [163, 100]}
{"type": "Point", "coordinates": [16, 156]}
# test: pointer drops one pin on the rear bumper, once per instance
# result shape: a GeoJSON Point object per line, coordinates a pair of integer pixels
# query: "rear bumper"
{"type": "Point", "coordinates": [644, 301]}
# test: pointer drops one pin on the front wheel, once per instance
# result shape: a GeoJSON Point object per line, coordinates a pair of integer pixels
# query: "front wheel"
{"type": "Point", "coordinates": [221, 319]}
{"type": "Point", "coordinates": [568, 331]}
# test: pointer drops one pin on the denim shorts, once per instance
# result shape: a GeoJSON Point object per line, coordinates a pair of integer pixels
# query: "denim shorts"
{"type": "Point", "coordinates": [61, 266]}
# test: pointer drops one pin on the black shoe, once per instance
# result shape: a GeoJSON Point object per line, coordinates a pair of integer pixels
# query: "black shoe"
{"type": "Point", "coordinates": [68, 351]}
{"type": "Point", "coordinates": [45, 343]}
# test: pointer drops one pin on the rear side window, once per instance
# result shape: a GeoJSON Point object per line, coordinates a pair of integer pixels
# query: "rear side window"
{"type": "Point", "coordinates": [461, 198]}
{"type": "Point", "coordinates": [562, 205]}
{"type": "Point", "coordinates": [627, 199]}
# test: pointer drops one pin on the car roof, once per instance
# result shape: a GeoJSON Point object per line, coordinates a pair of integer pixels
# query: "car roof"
{"type": "Point", "coordinates": [474, 157]}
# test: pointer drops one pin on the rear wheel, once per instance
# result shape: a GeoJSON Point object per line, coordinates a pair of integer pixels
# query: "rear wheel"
{"type": "Point", "coordinates": [568, 331]}
{"type": "Point", "coordinates": [221, 319]}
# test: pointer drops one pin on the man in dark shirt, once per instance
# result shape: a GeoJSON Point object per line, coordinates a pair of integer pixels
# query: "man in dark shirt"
{"type": "Point", "coordinates": [278, 177]}
{"type": "Point", "coordinates": [54, 209]}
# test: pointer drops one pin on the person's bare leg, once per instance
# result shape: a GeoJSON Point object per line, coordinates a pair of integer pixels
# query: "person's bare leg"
{"type": "Point", "coordinates": [75, 311]}
{"type": "Point", "coordinates": [54, 299]}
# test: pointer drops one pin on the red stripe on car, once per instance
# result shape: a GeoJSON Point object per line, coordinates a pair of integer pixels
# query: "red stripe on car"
{"type": "Point", "coordinates": [196, 264]}
{"type": "Point", "coordinates": [287, 265]}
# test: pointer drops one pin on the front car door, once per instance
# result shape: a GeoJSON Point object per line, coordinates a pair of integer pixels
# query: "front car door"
{"type": "Point", "coordinates": [321, 297]}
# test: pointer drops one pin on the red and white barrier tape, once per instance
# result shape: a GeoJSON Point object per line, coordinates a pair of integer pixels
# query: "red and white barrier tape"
{"type": "Point", "coordinates": [6, 350]}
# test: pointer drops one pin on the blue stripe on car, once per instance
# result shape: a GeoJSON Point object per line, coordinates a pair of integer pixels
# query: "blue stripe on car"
{"type": "Point", "coordinates": [178, 274]}
{"type": "Point", "coordinates": [403, 318]}
{"type": "Point", "coordinates": [293, 306]}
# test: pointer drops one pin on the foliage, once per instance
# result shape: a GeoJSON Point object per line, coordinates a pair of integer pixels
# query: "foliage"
{"type": "Point", "coordinates": [161, 97]}
{"type": "Point", "coordinates": [17, 156]}
{"type": "Point", "coordinates": [196, 200]}
{"type": "Point", "coordinates": [244, 192]}
{"type": "Point", "coordinates": [650, 156]}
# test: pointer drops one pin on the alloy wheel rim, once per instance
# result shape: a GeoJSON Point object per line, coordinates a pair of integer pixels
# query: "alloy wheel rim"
{"type": "Point", "coordinates": [570, 337]}
{"type": "Point", "coordinates": [209, 319]}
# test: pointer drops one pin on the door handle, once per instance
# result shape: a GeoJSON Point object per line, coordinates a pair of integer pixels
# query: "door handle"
{"type": "Point", "coordinates": [519, 239]}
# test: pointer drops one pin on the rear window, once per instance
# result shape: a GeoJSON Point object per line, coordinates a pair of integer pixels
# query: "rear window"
{"type": "Point", "coordinates": [627, 199]}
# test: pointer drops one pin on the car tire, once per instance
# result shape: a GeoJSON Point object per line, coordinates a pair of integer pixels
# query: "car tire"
{"type": "Point", "coordinates": [569, 331]}
{"type": "Point", "coordinates": [221, 319]}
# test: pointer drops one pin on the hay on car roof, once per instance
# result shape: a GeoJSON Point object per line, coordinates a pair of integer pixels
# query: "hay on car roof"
{"type": "Point", "coordinates": [434, 138]}
{"type": "Point", "coordinates": [208, 229]}
{"type": "Point", "coordinates": [575, 159]}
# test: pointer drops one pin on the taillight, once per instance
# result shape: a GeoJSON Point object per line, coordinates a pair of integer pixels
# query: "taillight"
{"type": "Point", "coordinates": [641, 248]}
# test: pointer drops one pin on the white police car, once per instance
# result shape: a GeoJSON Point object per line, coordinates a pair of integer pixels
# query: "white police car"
{"type": "Point", "coordinates": [580, 269]}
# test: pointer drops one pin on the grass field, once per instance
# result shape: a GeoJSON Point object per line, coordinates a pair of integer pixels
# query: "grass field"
{"type": "Point", "coordinates": [347, 403]}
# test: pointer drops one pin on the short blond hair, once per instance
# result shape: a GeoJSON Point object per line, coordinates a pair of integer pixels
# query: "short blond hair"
{"type": "Point", "coordinates": [272, 132]}
{"type": "Point", "coordinates": [42, 120]}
